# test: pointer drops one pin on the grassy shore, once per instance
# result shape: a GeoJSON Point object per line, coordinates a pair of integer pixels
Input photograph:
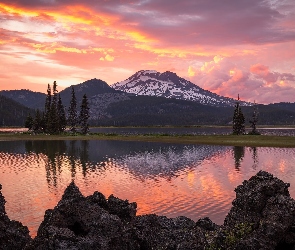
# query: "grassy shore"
{"type": "Point", "coordinates": [230, 140]}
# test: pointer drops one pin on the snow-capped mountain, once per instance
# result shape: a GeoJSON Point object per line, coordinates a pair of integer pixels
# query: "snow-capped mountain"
{"type": "Point", "coordinates": [169, 85]}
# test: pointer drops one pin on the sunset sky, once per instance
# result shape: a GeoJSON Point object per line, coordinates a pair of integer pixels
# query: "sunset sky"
{"type": "Point", "coordinates": [225, 46]}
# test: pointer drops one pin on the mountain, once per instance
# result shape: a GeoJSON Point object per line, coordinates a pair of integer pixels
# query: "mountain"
{"type": "Point", "coordinates": [26, 97]}
{"type": "Point", "coordinates": [91, 88]}
{"type": "Point", "coordinates": [169, 85]}
{"type": "Point", "coordinates": [13, 113]}
{"type": "Point", "coordinates": [99, 94]}
{"type": "Point", "coordinates": [109, 107]}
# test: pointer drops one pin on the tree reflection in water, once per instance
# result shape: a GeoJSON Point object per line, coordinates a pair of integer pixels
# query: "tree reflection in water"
{"type": "Point", "coordinates": [84, 156]}
{"type": "Point", "coordinates": [239, 153]}
{"type": "Point", "coordinates": [57, 153]}
{"type": "Point", "coordinates": [254, 157]}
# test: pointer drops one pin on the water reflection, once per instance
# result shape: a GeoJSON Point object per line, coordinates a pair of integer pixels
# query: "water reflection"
{"type": "Point", "coordinates": [58, 154]}
{"type": "Point", "coordinates": [254, 151]}
{"type": "Point", "coordinates": [171, 180]}
{"type": "Point", "coordinates": [239, 153]}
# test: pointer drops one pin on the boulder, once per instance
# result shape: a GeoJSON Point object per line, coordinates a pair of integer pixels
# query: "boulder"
{"type": "Point", "coordinates": [262, 216]}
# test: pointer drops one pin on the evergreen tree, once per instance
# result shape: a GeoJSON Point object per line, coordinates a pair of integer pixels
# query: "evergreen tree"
{"type": "Point", "coordinates": [84, 115]}
{"type": "Point", "coordinates": [72, 113]}
{"type": "Point", "coordinates": [29, 122]}
{"type": "Point", "coordinates": [53, 122]}
{"type": "Point", "coordinates": [62, 122]}
{"type": "Point", "coordinates": [47, 109]}
{"type": "Point", "coordinates": [238, 120]}
{"type": "Point", "coordinates": [254, 121]}
{"type": "Point", "coordinates": [37, 124]}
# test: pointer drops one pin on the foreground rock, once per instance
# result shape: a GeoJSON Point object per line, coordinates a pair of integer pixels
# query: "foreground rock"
{"type": "Point", "coordinates": [94, 222]}
{"type": "Point", "coordinates": [13, 235]}
{"type": "Point", "coordinates": [262, 217]}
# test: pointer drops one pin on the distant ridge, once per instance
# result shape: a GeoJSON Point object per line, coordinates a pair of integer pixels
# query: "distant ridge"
{"type": "Point", "coordinates": [170, 85]}
{"type": "Point", "coordinates": [26, 97]}
{"type": "Point", "coordinates": [13, 113]}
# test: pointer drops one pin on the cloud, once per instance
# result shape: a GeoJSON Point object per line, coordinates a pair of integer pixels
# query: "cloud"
{"type": "Point", "coordinates": [256, 82]}
{"type": "Point", "coordinates": [193, 22]}
{"type": "Point", "coordinates": [226, 46]}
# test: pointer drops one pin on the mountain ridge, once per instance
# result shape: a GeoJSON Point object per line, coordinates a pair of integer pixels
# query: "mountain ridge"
{"type": "Point", "coordinates": [13, 113]}
{"type": "Point", "coordinates": [169, 85]}
{"type": "Point", "coordinates": [109, 106]}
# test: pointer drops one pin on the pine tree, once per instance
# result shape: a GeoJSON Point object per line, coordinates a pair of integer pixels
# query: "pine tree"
{"type": "Point", "coordinates": [37, 124]}
{"type": "Point", "coordinates": [47, 110]}
{"type": "Point", "coordinates": [62, 122]}
{"type": "Point", "coordinates": [72, 116]}
{"type": "Point", "coordinates": [238, 120]}
{"type": "Point", "coordinates": [29, 122]}
{"type": "Point", "coordinates": [84, 115]}
{"type": "Point", "coordinates": [53, 122]}
{"type": "Point", "coordinates": [254, 121]}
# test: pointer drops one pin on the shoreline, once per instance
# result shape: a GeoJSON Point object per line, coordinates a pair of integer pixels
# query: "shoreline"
{"type": "Point", "coordinates": [224, 140]}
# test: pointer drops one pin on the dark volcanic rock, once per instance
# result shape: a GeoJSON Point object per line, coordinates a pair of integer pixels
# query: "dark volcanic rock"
{"type": "Point", "coordinates": [159, 232]}
{"type": "Point", "coordinates": [93, 222]}
{"type": "Point", "coordinates": [262, 216]}
{"type": "Point", "coordinates": [79, 222]}
{"type": "Point", "coordinates": [13, 235]}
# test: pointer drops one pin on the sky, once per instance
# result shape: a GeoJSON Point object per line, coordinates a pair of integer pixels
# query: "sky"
{"type": "Point", "coordinates": [228, 47]}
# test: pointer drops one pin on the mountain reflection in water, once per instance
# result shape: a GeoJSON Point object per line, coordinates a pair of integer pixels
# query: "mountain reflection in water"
{"type": "Point", "coordinates": [172, 180]}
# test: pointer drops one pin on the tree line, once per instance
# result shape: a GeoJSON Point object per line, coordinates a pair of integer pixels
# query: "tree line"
{"type": "Point", "coordinates": [53, 120]}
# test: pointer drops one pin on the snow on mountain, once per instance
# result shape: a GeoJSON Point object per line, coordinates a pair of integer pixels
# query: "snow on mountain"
{"type": "Point", "coordinates": [169, 85]}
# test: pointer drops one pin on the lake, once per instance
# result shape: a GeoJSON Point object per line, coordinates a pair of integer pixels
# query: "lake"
{"type": "Point", "coordinates": [283, 131]}
{"type": "Point", "coordinates": [166, 179]}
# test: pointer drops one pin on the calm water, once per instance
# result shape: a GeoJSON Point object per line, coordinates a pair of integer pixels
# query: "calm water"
{"type": "Point", "coordinates": [191, 130]}
{"type": "Point", "coordinates": [172, 180]}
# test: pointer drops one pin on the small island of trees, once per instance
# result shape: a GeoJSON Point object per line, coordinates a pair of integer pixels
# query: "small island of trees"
{"type": "Point", "coordinates": [53, 120]}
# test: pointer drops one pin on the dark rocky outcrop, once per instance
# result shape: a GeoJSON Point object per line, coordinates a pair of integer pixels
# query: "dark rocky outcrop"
{"type": "Point", "coordinates": [262, 217]}
{"type": "Point", "coordinates": [13, 235]}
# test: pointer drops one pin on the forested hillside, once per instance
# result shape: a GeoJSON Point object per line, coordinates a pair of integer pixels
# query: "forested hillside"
{"type": "Point", "coordinates": [28, 98]}
{"type": "Point", "coordinates": [12, 113]}
{"type": "Point", "coordinates": [147, 111]}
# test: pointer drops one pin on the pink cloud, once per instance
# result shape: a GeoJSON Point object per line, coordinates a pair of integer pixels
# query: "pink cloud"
{"type": "Point", "coordinates": [256, 82]}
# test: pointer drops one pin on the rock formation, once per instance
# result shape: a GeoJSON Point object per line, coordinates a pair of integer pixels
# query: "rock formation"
{"type": "Point", "coordinates": [262, 217]}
